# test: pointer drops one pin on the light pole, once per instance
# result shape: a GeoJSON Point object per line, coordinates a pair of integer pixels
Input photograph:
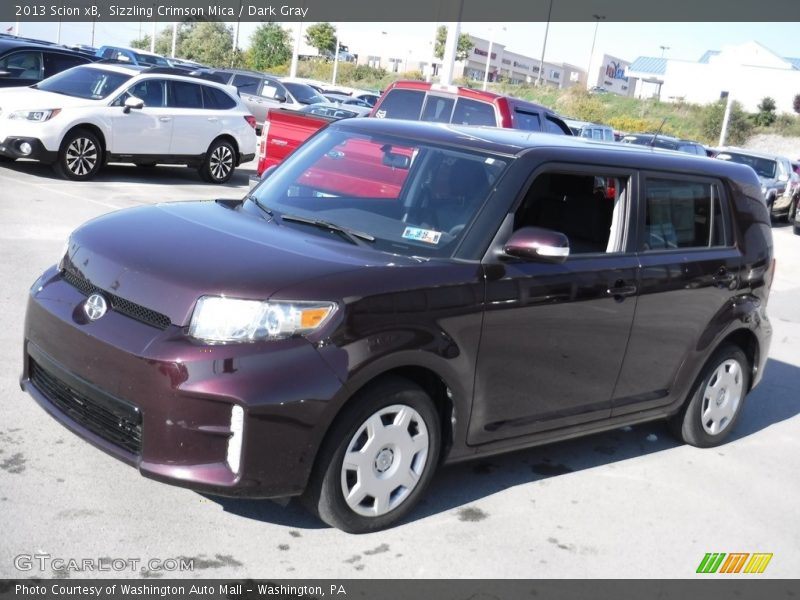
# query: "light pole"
{"type": "Point", "coordinates": [489, 58]}
{"type": "Point", "coordinates": [544, 45]}
{"type": "Point", "coordinates": [663, 48]}
{"type": "Point", "coordinates": [335, 59]}
{"type": "Point", "coordinates": [597, 19]}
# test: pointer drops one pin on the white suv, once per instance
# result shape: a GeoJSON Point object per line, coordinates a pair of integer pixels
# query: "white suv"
{"type": "Point", "coordinates": [87, 116]}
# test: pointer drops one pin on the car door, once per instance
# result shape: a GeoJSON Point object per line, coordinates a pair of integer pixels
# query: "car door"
{"type": "Point", "coordinates": [21, 68]}
{"type": "Point", "coordinates": [555, 335]}
{"type": "Point", "coordinates": [146, 131]}
{"type": "Point", "coordinates": [194, 128]}
{"type": "Point", "coordinates": [689, 267]}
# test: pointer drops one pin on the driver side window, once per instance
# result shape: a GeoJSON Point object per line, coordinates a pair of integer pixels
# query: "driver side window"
{"type": "Point", "coordinates": [150, 91]}
{"type": "Point", "coordinates": [587, 208]}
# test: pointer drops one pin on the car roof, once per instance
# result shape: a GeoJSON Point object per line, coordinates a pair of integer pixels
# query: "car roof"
{"type": "Point", "coordinates": [20, 43]}
{"type": "Point", "coordinates": [746, 152]}
{"type": "Point", "coordinates": [181, 74]}
{"type": "Point", "coordinates": [134, 50]}
{"type": "Point", "coordinates": [515, 142]}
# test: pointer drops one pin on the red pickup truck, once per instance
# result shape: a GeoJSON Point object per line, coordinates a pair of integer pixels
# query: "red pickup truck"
{"type": "Point", "coordinates": [284, 131]}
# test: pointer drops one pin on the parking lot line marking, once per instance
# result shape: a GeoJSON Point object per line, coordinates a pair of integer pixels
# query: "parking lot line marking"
{"type": "Point", "coordinates": [63, 193]}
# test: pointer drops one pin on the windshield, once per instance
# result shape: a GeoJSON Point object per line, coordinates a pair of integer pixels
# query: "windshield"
{"type": "Point", "coordinates": [305, 94]}
{"type": "Point", "coordinates": [414, 199]}
{"type": "Point", "coordinates": [84, 82]}
{"type": "Point", "coordinates": [764, 167]}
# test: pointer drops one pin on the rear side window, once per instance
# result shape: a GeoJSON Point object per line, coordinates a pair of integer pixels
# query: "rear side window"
{"type": "Point", "coordinates": [246, 84]}
{"type": "Point", "coordinates": [684, 214]}
{"type": "Point", "coordinates": [438, 109]}
{"type": "Point", "coordinates": [55, 62]}
{"type": "Point", "coordinates": [214, 98]}
{"type": "Point", "coordinates": [26, 64]}
{"type": "Point", "coordinates": [473, 112]}
{"type": "Point", "coordinates": [401, 104]}
{"type": "Point", "coordinates": [527, 121]}
{"type": "Point", "coordinates": [185, 95]}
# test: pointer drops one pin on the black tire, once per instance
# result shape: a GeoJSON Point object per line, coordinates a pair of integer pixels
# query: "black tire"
{"type": "Point", "coordinates": [796, 229]}
{"type": "Point", "coordinates": [325, 493]}
{"type": "Point", "coordinates": [711, 412]}
{"type": "Point", "coordinates": [792, 209]}
{"type": "Point", "coordinates": [219, 163]}
{"type": "Point", "coordinates": [80, 156]}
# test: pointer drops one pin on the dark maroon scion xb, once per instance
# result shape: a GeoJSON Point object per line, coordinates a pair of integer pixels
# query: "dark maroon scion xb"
{"type": "Point", "coordinates": [397, 295]}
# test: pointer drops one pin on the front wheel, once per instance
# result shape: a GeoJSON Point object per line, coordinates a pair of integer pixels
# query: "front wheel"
{"type": "Point", "coordinates": [716, 401]}
{"type": "Point", "coordinates": [80, 156]}
{"type": "Point", "coordinates": [219, 163]}
{"type": "Point", "coordinates": [378, 459]}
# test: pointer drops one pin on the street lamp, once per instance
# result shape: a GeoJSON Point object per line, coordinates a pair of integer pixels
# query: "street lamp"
{"type": "Point", "coordinates": [489, 58]}
{"type": "Point", "coordinates": [597, 19]}
{"type": "Point", "coordinates": [663, 48]}
{"type": "Point", "coordinates": [544, 45]}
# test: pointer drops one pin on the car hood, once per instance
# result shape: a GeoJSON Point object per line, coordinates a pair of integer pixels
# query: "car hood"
{"type": "Point", "coordinates": [30, 98]}
{"type": "Point", "coordinates": [164, 257]}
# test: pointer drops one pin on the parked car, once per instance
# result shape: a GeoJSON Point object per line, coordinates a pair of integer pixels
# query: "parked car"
{"type": "Point", "coordinates": [24, 62]}
{"type": "Point", "coordinates": [259, 92]}
{"type": "Point", "coordinates": [368, 97]}
{"type": "Point", "coordinates": [399, 295]}
{"type": "Point", "coordinates": [774, 173]}
{"type": "Point", "coordinates": [89, 115]}
{"type": "Point", "coordinates": [421, 101]}
{"type": "Point", "coordinates": [353, 104]}
{"type": "Point", "coordinates": [592, 131]}
{"type": "Point", "coordinates": [133, 56]}
{"type": "Point", "coordinates": [665, 142]}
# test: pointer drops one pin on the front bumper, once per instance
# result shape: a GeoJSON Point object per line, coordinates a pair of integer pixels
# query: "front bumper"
{"type": "Point", "coordinates": [181, 392]}
{"type": "Point", "coordinates": [12, 147]}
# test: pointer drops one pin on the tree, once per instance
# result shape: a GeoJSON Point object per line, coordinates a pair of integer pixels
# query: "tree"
{"type": "Point", "coordinates": [766, 112]}
{"type": "Point", "coordinates": [796, 104]}
{"type": "Point", "coordinates": [164, 40]}
{"type": "Point", "coordinates": [210, 43]}
{"type": "Point", "coordinates": [322, 36]}
{"type": "Point", "coordinates": [270, 45]}
{"type": "Point", "coordinates": [739, 126]}
{"type": "Point", "coordinates": [462, 49]}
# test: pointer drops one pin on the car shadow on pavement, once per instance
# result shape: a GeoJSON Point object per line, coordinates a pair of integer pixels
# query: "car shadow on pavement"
{"type": "Point", "coordinates": [773, 401]}
{"type": "Point", "coordinates": [129, 173]}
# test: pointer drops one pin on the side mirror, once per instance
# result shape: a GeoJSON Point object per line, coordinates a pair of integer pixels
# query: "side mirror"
{"type": "Point", "coordinates": [280, 98]}
{"type": "Point", "coordinates": [537, 244]}
{"type": "Point", "coordinates": [132, 102]}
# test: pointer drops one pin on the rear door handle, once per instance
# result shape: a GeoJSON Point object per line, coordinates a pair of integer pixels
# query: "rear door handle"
{"type": "Point", "coordinates": [213, 119]}
{"type": "Point", "coordinates": [621, 290]}
{"type": "Point", "coordinates": [165, 119]}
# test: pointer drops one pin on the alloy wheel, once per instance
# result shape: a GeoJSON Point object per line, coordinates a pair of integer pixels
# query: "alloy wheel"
{"type": "Point", "coordinates": [81, 156]}
{"type": "Point", "coordinates": [221, 162]}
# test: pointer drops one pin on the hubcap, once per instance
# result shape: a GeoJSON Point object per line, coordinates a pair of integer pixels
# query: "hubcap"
{"type": "Point", "coordinates": [81, 156]}
{"type": "Point", "coordinates": [384, 460]}
{"type": "Point", "coordinates": [221, 162]}
{"type": "Point", "coordinates": [721, 397]}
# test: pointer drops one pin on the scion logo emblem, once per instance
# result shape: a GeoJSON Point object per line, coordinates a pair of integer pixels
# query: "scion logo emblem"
{"type": "Point", "coordinates": [95, 307]}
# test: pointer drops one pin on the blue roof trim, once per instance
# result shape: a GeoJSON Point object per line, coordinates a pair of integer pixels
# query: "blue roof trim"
{"type": "Point", "coordinates": [708, 54]}
{"type": "Point", "coordinates": [795, 62]}
{"type": "Point", "coordinates": [649, 64]}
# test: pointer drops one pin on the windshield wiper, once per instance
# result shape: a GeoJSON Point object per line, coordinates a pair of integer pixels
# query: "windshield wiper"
{"type": "Point", "coordinates": [263, 208]}
{"type": "Point", "coordinates": [350, 234]}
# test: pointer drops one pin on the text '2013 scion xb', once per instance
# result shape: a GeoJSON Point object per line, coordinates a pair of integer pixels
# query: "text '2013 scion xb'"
{"type": "Point", "coordinates": [398, 295]}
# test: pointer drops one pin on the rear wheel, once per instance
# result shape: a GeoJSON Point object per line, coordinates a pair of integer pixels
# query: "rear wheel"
{"type": "Point", "coordinates": [378, 459]}
{"type": "Point", "coordinates": [792, 210]}
{"type": "Point", "coordinates": [716, 401]}
{"type": "Point", "coordinates": [80, 156]}
{"type": "Point", "coordinates": [219, 163]}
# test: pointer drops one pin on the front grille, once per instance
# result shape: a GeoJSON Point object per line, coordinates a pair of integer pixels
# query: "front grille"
{"type": "Point", "coordinates": [112, 420]}
{"type": "Point", "coordinates": [120, 305]}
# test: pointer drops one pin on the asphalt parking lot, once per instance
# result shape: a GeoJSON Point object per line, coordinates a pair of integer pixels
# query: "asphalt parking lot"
{"type": "Point", "coordinates": [628, 503]}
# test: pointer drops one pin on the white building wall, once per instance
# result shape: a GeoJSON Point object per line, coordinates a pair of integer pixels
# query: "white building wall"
{"type": "Point", "coordinates": [703, 83]}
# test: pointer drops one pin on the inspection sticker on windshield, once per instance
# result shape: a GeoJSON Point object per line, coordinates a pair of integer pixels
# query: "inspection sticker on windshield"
{"type": "Point", "coordinates": [422, 235]}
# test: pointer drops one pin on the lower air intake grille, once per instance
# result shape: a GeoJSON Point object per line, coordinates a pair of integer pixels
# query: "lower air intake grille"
{"type": "Point", "coordinates": [112, 420]}
{"type": "Point", "coordinates": [120, 305]}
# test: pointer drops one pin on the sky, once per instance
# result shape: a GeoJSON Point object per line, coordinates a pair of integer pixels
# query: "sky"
{"type": "Point", "coordinates": [567, 42]}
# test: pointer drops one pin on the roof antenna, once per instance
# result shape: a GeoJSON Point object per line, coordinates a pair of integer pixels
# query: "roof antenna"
{"type": "Point", "coordinates": [660, 127]}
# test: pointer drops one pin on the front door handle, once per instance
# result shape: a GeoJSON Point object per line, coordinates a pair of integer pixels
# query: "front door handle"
{"type": "Point", "coordinates": [213, 119]}
{"type": "Point", "coordinates": [621, 290]}
{"type": "Point", "coordinates": [165, 119]}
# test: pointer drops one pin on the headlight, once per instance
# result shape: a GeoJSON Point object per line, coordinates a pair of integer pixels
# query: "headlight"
{"type": "Point", "coordinates": [39, 116]}
{"type": "Point", "coordinates": [219, 319]}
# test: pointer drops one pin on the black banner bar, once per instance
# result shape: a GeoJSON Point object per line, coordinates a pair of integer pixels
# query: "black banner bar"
{"type": "Point", "coordinates": [399, 11]}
